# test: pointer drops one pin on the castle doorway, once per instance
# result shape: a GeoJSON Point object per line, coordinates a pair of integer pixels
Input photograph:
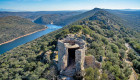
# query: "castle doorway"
{"type": "Point", "coordinates": [71, 56]}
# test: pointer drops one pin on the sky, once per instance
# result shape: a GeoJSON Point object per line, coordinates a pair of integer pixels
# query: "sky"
{"type": "Point", "coordinates": [55, 5]}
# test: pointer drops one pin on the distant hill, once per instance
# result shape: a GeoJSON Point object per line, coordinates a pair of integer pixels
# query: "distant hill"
{"type": "Point", "coordinates": [131, 17]}
{"type": "Point", "coordinates": [50, 18]}
{"type": "Point", "coordinates": [36, 14]}
{"type": "Point", "coordinates": [64, 19]}
{"type": "Point", "coordinates": [58, 19]}
{"type": "Point", "coordinates": [127, 9]}
{"type": "Point", "coordinates": [13, 27]}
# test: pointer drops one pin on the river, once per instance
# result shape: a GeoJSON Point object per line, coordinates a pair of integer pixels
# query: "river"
{"type": "Point", "coordinates": [6, 47]}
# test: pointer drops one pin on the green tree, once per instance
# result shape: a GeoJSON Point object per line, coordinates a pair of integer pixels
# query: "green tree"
{"type": "Point", "coordinates": [114, 48]}
{"type": "Point", "coordinates": [85, 31]}
{"type": "Point", "coordinates": [104, 76]}
{"type": "Point", "coordinates": [33, 77]}
{"type": "Point", "coordinates": [122, 53]}
{"type": "Point", "coordinates": [139, 77]}
{"type": "Point", "coordinates": [89, 74]}
{"type": "Point", "coordinates": [105, 41]}
{"type": "Point", "coordinates": [75, 28]}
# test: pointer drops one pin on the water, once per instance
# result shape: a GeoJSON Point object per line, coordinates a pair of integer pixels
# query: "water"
{"type": "Point", "coordinates": [6, 47]}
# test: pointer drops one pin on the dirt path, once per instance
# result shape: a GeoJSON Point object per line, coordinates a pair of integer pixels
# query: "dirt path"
{"type": "Point", "coordinates": [22, 36]}
{"type": "Point", "coordinates": [133, 74]}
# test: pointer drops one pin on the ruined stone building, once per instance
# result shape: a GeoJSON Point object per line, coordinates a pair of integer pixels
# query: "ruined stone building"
{"type": "Point", "coordinates": [71, 55]}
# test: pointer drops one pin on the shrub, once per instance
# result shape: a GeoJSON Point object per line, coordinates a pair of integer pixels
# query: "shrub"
{"type": "Point", "coordinates": [92, 74]}
{"type": "Point", "coordinates": [114, 48]}
{"type": "Point", "coordinates": [89, 74]}
{"type": "Point", "coordinates": [75, 28]}
{"type": "Point", "coordinates": [85, 31]}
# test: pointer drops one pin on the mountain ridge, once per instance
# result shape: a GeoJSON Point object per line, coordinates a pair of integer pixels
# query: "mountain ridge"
{"type": "Point", "coordinates": [105, 38]}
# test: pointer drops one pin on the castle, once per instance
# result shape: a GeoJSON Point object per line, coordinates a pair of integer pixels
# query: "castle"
{"type": "Point", "coordinates": [71, 56]}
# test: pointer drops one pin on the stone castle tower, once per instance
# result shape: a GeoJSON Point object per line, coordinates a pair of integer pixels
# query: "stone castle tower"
{"type": "Point", "coordinates": [71, 55]}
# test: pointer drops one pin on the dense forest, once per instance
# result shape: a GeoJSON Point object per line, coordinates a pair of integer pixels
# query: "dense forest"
{"type": "Point", "coordinates": [12, 27]}
{"type": "Point", "coordinates": [131, 18]}
{"type": "Point", "coordinates": [105, 35]}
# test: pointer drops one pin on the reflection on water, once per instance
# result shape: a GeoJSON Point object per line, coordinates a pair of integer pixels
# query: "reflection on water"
{"type": "Point", "coordinates": [23, 40]}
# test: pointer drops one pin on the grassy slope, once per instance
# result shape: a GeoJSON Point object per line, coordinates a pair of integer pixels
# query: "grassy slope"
{"type": "Point", "coordinates": [13, 27]}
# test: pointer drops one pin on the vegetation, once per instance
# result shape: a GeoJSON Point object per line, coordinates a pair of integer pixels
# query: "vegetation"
{"type": "Point", "coordinates": [58, 19]}
{"type": "Point", "coordinates": [136, 45]}
{"type": "Point", "coordinates": [12, 27]}
{"type": "Point", "coordinates": [131, 18]}
{"type": "Point", "coordinates": [65, 19]}
{"type": "Point", "coordinates": [105, 36]}
{"type": "Point", "coordinates": [92, 74]}
{"type": "Point", "coordinates": [133, 56]}
{"type": "Point", "coordinates": [35, 15]}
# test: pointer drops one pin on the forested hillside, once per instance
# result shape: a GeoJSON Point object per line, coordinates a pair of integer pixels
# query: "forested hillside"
{"type": "Point", "coordinates": [64, 19]}
{"type": "Point", "coordinates": [105, 36]}
{"type": "Point", "coordinates": [12, 27]}
{"type": "Point", "coordinates": [131, 18]}
{"type": "Point", "coordinates": [58, 19]}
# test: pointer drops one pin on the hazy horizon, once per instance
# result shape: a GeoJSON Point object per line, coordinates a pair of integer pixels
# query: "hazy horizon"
{"type": "Point", "coordinates": [12, 10]}
{"type": "Point", "coordinates": [65, 5]}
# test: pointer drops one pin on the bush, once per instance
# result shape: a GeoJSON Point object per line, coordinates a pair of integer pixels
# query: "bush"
{"type": "Point", "coordinates": [105, 41]}
{"type": "Point", "coordinates": [122, 53]}
{"type": "Point", "coordinates": [85, 31]}
{"type": "Point", "coordinates": [136, 65]}
{"type": "Point", "coordinates": [62, 34]}
{"type": "Point", "coordinates": [75, 28]}
{"type": "Point", "coordinates": [89, 74]}
{"type": "Point", "coordinates": [92, 74]}
{"type": "Point", "coordinates": [114, 48]}
{"type": "Point", "coordinates": [33, 77]}
{"type": "Point", "coordinates": [104, 76]}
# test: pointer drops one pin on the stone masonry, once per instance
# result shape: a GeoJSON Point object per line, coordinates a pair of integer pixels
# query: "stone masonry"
{"type": "Point", "coordinates": [71, 55]}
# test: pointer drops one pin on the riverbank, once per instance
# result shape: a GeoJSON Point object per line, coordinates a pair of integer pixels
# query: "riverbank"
{"type": "Point", "coordinates": [23, 36]}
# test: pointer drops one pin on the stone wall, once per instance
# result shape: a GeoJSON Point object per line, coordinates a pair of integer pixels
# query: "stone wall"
{"type": "Point", "coordinates": [61, 55]}
{"type": "Point", "coordinates": [69, 43]}
{"type": "Point", "coordinates": [90, 61]}
{"type": "Point", "coordinates": [80, 59]}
